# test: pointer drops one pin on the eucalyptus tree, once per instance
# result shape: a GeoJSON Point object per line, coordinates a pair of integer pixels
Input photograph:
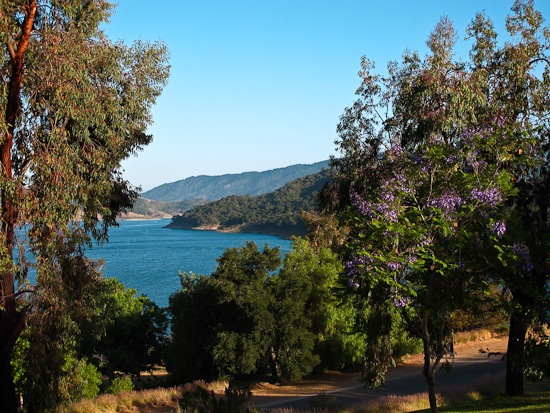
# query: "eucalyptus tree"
{"type": "Point", "coordinates": [74, 105]}
{"type": "Point", "coordinates": [435, 156]}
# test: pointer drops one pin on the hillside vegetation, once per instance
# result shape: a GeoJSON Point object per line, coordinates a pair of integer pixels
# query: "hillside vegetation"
{"type": "Point", "coordinates": [212, 188]}
{"type": "Point", "coordinates": [276, 213]}
{"type": "Point", "coordinates": [149, 208]}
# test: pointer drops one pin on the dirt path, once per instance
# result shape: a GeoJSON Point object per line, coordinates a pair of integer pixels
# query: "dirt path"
{"type": "Point", "coordinates": [406, 378]}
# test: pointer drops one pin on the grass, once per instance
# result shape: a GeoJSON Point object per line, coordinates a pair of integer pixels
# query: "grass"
{"type": "Point", "coordinates": [143, 401]}
{"type": "Point", "coordinates": [536, 400]}
{"type": "Point", "coordinates": [483, 396]}
{"type": "Point", "coordinates": [153, 400]}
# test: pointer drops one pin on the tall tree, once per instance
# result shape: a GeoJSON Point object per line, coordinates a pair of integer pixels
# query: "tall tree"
{"type": "Point", "coordinates": [436, 156]}
{"type": "Point", "coordinates": [74, 105]}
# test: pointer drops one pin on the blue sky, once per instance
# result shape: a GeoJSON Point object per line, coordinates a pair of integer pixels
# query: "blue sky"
{"type": "Point", "coordinates": [257, 85]}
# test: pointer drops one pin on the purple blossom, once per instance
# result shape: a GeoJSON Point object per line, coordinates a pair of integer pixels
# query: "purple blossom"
{"type": "Point", "coordinates": [478, 165]}
{"type": "Point", "coordinates": [387, 196]}
{"type": "Point", "coordinates": [499, 120]}
{"type": "Point", "coordinates": [400, 183]}
{"type": "Point", "coordinates": [490, 196]}
{"type": "Point", "coordinates": [387, 211]}
{"type": "Point", "coordinates": [424, 241]}
{"type": "Point", "coordinates": [393, 266]}
{"type": "Point", "coordinates": [451, 159]}
{"type": "Point", "coordinates": [481, 132]}
{"type": "Point", "coordinates": [352, 283]}
{"type": "Point", "coordinates": [395, 150]}
{"type": "Point", "coordinates": [401, 302]}
{"type": "Point", "coordinates": [363, 206]}
{"type": "Point", "coordinates": [522, 251]}
{"type": "Point", "coordinates": [498, 227]}
{"type": "Point", "coordinates": [447, 202]}
{"type": "Point", "coordinates": [354, 266]}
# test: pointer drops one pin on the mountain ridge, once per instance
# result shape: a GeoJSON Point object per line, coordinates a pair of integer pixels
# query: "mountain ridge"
{"type": "Point", "coordinates": [276, 213]}
{"type": "Point", "coordinates": [212, 188]}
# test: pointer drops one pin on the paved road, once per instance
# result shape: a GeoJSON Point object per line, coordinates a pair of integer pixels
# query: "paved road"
{"type": "Point", "coordinates": [403, 380]}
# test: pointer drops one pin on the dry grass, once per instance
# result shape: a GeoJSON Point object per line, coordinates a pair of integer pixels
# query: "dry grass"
{"type": "Point", "coordinates": [161, 400]}
{"type": "Point", "coordinates": [154, 400]}
{"type": "Point", "coordinates": [473, 336]}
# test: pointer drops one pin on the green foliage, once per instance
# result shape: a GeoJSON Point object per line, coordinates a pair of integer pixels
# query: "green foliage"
{"type": "Point", "coordinates": [537, 355]}
{"type": "Point", "coordinates": [193, 314]}
{"type": "Point", "coordinates": [73, 106]}
{"type": "Point", "coordinates": [278, 212]}
{"type": "Point", "coordinates": [80, 380]}
{"type": "Point", "coordinates": [119, 385]}
{"type": "Point", "coordinates": [242, 281]}
{"type": "Point", "coordinates": [127, 332]}
{"type": "Point", "coordinates": [119, 332]}
{"type": "Point", "coordinates": [308, 290]}
{"type": "Point", "coordinates": [441, 160]}
{"type": "Point", "coordinates": [245, 320]}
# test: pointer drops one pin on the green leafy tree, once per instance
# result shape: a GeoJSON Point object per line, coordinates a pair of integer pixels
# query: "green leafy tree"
{"type": "Point", "coordinates": [48, 346]}
{"type": "Point", "coordinates": [311, 305]}
{"type": "Point", "coordinates": [222, 324]}
{"type": "Point", "coordinates": [193, 318]}
{"type": "Point", "coordinates": [434, 156]}
{"type": "Point", "coordinates": [243, 283]}
{"type": "Point", "coordinates": [517, 76]}
{"type": "Point", "coordinates": [73, 106]}
{"type": "Point", "coordinates": [126, 334]}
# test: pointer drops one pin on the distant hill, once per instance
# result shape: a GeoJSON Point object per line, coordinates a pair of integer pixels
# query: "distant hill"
{"type": "Point", "coordinates": [147, 208]}
{"type": "Point", "coordinates": [211, 188]}
{"type": "Point", "coordinates": [276, 213]}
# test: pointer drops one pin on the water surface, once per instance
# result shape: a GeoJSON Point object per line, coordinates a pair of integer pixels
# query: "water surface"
{"type": "Point", "coordinates": [147, 257]}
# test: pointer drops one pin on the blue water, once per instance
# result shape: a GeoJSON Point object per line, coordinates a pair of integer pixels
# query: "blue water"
{"type": "Point", "coordinates": [147, 257]}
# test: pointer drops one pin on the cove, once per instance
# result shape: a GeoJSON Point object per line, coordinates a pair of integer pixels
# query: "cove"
{"type": "Point", "coordinates": [148, 257]}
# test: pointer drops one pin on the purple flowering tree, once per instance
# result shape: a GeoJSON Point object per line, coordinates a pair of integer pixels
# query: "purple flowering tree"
{"type": "Point", "coordinates": [435, 158]}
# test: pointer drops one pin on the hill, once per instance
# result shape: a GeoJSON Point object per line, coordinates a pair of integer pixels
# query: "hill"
{"type": "Point", "coordinates": [211, 188]}
{"type": "Point", "coordinates": [276, 213]}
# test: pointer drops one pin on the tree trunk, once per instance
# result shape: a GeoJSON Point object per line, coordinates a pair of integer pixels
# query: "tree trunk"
{"type": "Point", "coordinates": [519, 323]}
{"type": "Point", "coordinates": [427, 370]}
{"type": "Point", "coordinates": [12, 321]}
{"type": "Point", "coordinates": [273, 365]}
{"type": "Point", "coordinates": [11, 326]}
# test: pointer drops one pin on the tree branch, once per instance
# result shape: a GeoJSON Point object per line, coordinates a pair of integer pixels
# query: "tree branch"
{"type": "Point", "coordinates": [11, 51]}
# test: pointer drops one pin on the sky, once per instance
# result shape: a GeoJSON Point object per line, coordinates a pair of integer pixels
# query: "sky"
{"type": "Point", "coordinates": [261, 84]}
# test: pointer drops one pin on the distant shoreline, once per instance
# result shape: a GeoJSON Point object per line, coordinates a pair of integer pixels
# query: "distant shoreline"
{"type": "Point", "coordinates": [132, 216]}
{"type": "Point", "coordinates": [283, 233]}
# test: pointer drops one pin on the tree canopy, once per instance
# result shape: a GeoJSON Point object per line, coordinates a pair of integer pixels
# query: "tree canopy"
{"type": "Point", "coordinates": [252, 319]}
{"type": "Point", "coordinates": [74, 105]}
{"type": "Point", "coordinates": [440, 158]}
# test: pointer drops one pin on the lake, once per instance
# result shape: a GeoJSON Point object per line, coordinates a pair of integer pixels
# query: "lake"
{"type": "Point", "coordinates": [147, 257]}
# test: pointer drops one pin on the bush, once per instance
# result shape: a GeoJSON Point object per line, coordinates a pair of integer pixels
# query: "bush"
{"type": "Point", "coordinates": [201, 400]}
{"type": "Point", "coordinates": [81, 380]}
{"type": "Point", "coordinates": [119, 385]}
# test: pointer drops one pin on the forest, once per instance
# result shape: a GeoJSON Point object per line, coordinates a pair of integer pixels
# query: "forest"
{"type": "Point", "coordinates": [277, 213]}
{"type": "Point", "coordinates": [434, 220]}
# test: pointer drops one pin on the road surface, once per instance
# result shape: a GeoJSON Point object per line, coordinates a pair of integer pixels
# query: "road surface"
{"type": "Point", "coordinates": [469, 366]}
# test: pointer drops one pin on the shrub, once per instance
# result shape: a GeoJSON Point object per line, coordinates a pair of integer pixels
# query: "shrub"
{"type": "Point", "coordinates": [201, 400]}
{"type": "Point", "coordinates": [119, 385]}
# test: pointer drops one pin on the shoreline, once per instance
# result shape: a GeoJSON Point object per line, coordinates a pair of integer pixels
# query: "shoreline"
{"type": "Point", "coordinates": [286, 235]}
